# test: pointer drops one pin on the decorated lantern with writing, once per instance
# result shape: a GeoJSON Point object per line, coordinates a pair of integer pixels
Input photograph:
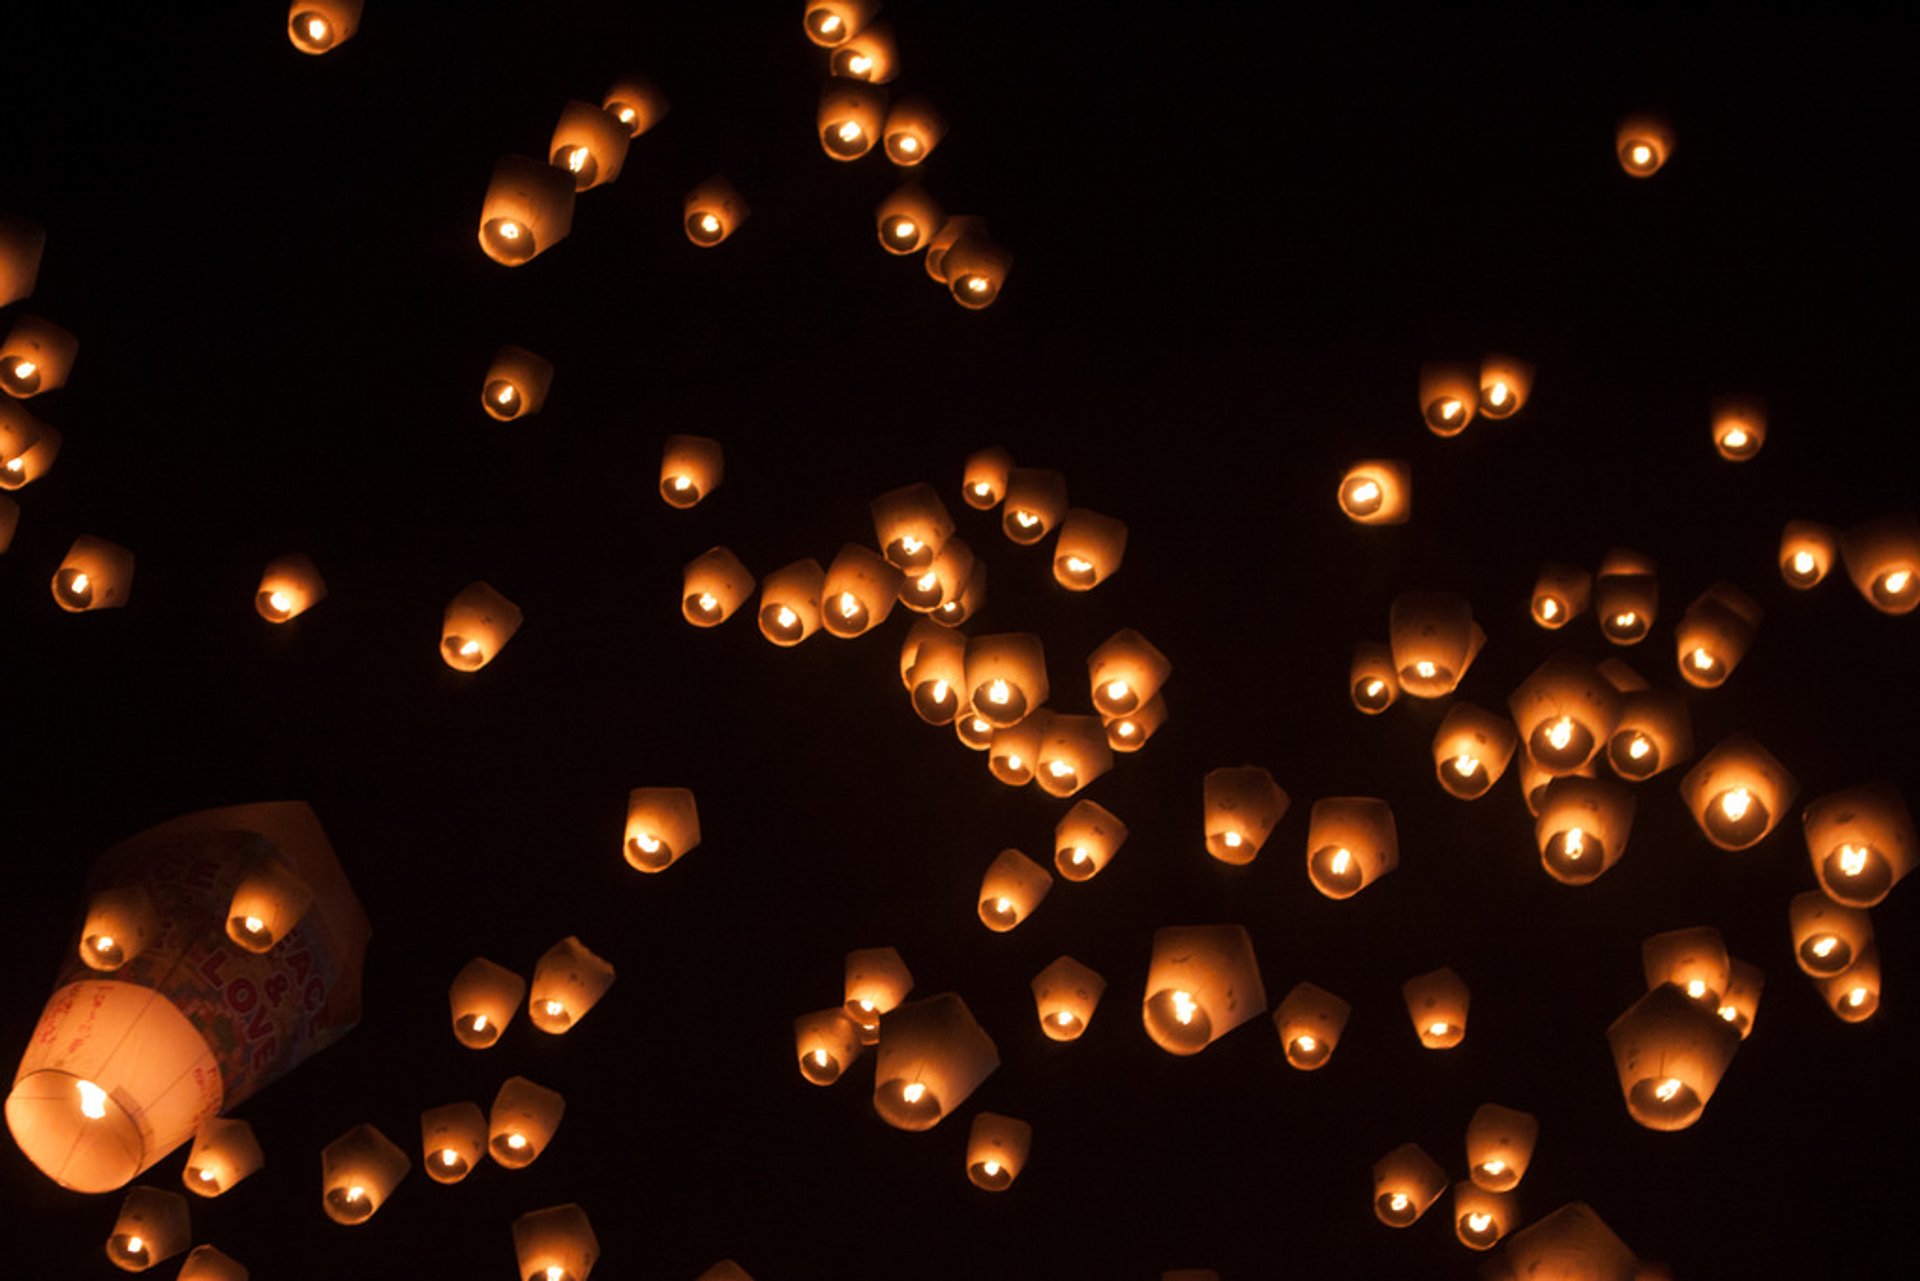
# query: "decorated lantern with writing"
{"type": "Point", "coordinates": [1310, 1020]}
{"type": "Point", "coordinates": [1351, 843]}
{"type": "Point", "coordinates": [568, 980]}
{"type": "Point", "coordinates": [1202, 983]}
{"type": "Point", "coordinates": [483, 998]}
{"type": "Point", "coordinates": [932, 1055]}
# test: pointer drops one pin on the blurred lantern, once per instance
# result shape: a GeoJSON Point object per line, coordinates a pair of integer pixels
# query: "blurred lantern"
{"type": "Point", "coordinates": [453, 1138]}
{"type": "Point", "coordinates": [94, 574]}
{"type": "Point", "coordinates": [913, 129]}
{"type": "Point", "coordinates": [1372, 679]}
{"type": "Point", "coordinates": [1351, 843]}
{"type": "Point", "coordinates": [483, 998]}
{"type": "Point", "coordinates": [1739, 427]}
{"type": "Point", "coordinates": [1883, 560]}
{"type": "Point", "coordinates": [943, 581]}
{"type": "Point", "coordinates": [1827, 937]}
{"type": "Point", "coordinates": [1808, 550]}
{"type": "Point", "coordinates": [1480, 1217]}
{"type": "Point", "coordinates": [911, 525]}
{"type": "Point", "coordinates": [1035, 500]}
{"type": "Point", "coordinates": [1073, 752]}
{"type": "Point", "coordinates": [1571, 1244]}
{"type": "Point", "coordinates": [316, 26]}
{"type": "Point", "coordinates": [522, 1121]}
{"type": "Point", "coordinates": [1434, 640]}
{"type": "Point", "coordinates": [1449, 397]}
{"type": "Point", "coordinates": [983, 481]}
{"type": "Point", "coordinates": [932, 1055]}
{"type": "Point", "coordinates": [206, 1263]}
{"type": "Point", "coordinates": [27, 446]}
{"type": "Point", "coordinates": [951, 231]}
{"type": "Point", "coordinates": [1405, 1182]}
{"type": "Point", "coordinates": [868, 54]}
{"type": "Point", "coordinates": [1130, 733]}
{"type": "Point", "coordinates": [1560, 595]}
{"type": "Point", "coordinates": [1089, 549]}
{"type": "Point", "coordinates": [152, 1226]}
{"type": "Point", "coordinates": [1500, 1144]}
{"type": "Point", "coordinates": [831, 23]}
{"type": "Point", "coordinates": [976, 270]}
{"type": "Point", "coordinates": [1505, 384]}
{"type": "Point", "coordinates": [1377, 491]}
{"type": "Point", "coordinates": [1855, 995]}
{"type": "Point", "coordinates": [289, 586]}
{"type": "Point", "coordinates": [1670, 1052]}
{"type": "Point", "coordinates": [36, 356]}
{"type": "Point", "coordinates": [224, 1152]}
{"type": "Point", "coordinates": [1715, 634]}
{"type": "Point", "coordinates": [997, 1148]}
{"type": "Point", "coordinates": [636, 103]}
{"type": "Point", "coordinates": [1064, 997]}
{"type": "Point", "coordinates": [1437, 1004]}
{"type": "Point", "coordinates": [1626, 596]}
{"type": "Point", "coordinates": [589, 145]}
{"type": "Point", "coordinates": [120, 1071]}
{"type": "Point", "coordinates": [1737, 793]}
{"type": "Point", "coordinates": [954, 611]}
{"type": "Point", "coordinates": [826, 1043]}
{"type": "Point", "coordinates": [477, 626]}
{"type": "Point", "coordinates": [1006, 677]}
{"type": "Point", "coordinates": [1126, 672]}
{"type": "Point", "coordinates": [1654, 733]}
{"type": "Point", "coordinates": [1862, 841]}
{"type": "Point", "coordinates": [1694, 960]}
{"type": "Point", "coordinates": [528, 210]}
{"type": "Point", "coordinates": [555, 1244]}
{"type": "Point", "coordinates": [877, 980]}
{"type": "Point", "coordinates": [1241, 806]}
{"type": "Point", "coordinates": [712, 586]}
{"type": "Point", "coordinates": [120, 923]}
{"type": "Point", "coordinates": [516, 383]}
{"type": "Point", "coordinates": [790, 602]}
{"type": "Point", "coordinates": [849, 117]}
{"type": "Point", "coordinates": [725, 1270]}
{"type": "Point", "coordinates": [268, 902]}
{"type": "Point", "coordinates": [1085, 840]}
{"type": "Point", "coordinates": [691, 467]}
{"type": "Point", "coordinates": [1741, 1002]}
{"type": "Point", "coordinates": [568, 980]}
{"type": "Point", "coordinates": [858, 592]}
{"type": "Point", "coordinates": [1471, 750]}
{"type": "Point", "coordinates": [9, 521]}
{"type": "Point", "coordinates": [663, 824]}
{"type": "Point", "coordinates": [22, 244]}
{"type": "Point", "coordinates": [908, 218]}
{"type": "Point", "coordinates": [1011, 890]}
{"type": "Point", "coordinates": [1565, 712]}
{"type": "Point", "coordinates": [1202, 983]}
{"type": "Point", "coordinates": [358, 1172]}
{"type": "Point", "coordinates": [1582, 827]}
{"type": "Point", "coordinates": [1310, 1020]}
{"type": "Point", "coordinates": [937, 674]}
{"type": "Point", "coordinates": [713, 211]}
{"type": "Point", "coordinates": [1643, 143]}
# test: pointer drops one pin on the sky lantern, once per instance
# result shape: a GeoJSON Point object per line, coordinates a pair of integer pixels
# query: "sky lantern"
{"type": "Point", "coordinates": [121, 922]}
{"type": "Point", "coordinates": [1449, 396]}
{"type": "Point", "coordinates": [1534, 779]}
{"type": "Point", "coordinates": [1715, 634]}
{"type": "Point", "coordinates": [224, 1152]}
{"type": "Point", "coordinates": [555, 1244]}
{"type": "Point", "coordinates": [1125, 672]}
{"type": "Point", "coordinates": [1883, 560]}
{"type": "Point", "coordinates": [663, 824]}
{"type": "Point", "coordinates": [826, 1042]}
{"type": "Point", "coordinates": [1670, 1052]}
{"type": "Point", "coordinates": [1654, 733]}
{"type": "Point", "coordinates": [913, 129]}
{"type": "Point", "coordinates": [1505, 384]}
{"type": "Point", "coordinates": [1571, 1244]}
{"type": "Point", "coordinates": [94, 574]}
{"type": "Point", "coordinates": [1739, 427]}
{"type": "Point", "coordinates": [318, 26]}
{"type": "Point", "coordinates": [1855, 994]}
{"type": "Point", "coordinates": [1351, 843]}
{"type": "Point", "coordinates": [1372, 679]}
{"type": "Point", "coordinates": [712, 586]}
{"type": "Point", "coordinates": [983, 481]}
{"type": "Point", "coordinates": [1480, 1217]}
{"type": "Point", "coordinates": [358, 1172]}
{"type": "Point", "coordinates": [1130, 733]}
{"type": "Point", "coordinates": [1565, 712]}
{"type": "Point", "coordinates": [911, 525]}
{"type": "Point", "coordinates": [691, 467]}
{"type": "Point", "coordinates": [1738, 792]}
{"type": "Point", "coordinates": [1405, 1182]}
{"type": "Point", "coordinates": [1560, 595]}
{"type": "Point", "coordinates": [1808, 550]}
{"type": "Point", "coordinates": [932, 1055]}
{"type": "Point", "coordinates": [522, 1121]}
{"type": "Point", "coordinates": [790, 602]}
{"type": "Point", "coordinates": [1006, 677]}
{"type": "Point", "coordinates": [1089, 549]}
{"type": "Point", "coordinates": [268, 902]}
{"type": "Point", "coordinates": [1740, 1003]}
{"type": "Point", "coordinates": [588, 145]}
{"type": "Point", "coordinates": [1434, 641]}
{"type": "Point", "coordinates": [453, 1138]}
{"type": "Point", "coordinates": [528, 209]}
{"type": "Point", "coordinates": [976, 268]}
{"type": "Point", "coordinates": [953, 611]}
{"type": "Point", "coordinates": [27, 446]}
{"type": "Point", "coordinates": [877, 980]}
{"type": "Point", "coordinates": [1582, 827]}
{"type": "Point", "coordinates": [1073, 752]}
{"type": "Point", "coordinates": [568, 980]}
{"type": "Point", "coordinates": [1064, 997]}
{"type": "Point", "coordinates": [713, 211]}
{"type": "Point", "coordinates": [1626, 595]}
{"type": "Point", "coordinates": [936, 678]}
{"type": "Point", "coordinates": [946, 580]}
{"type": "Point", "coordinates": [152, 1227]}
{"type": "Point", "coordinates": [477, 626]}
{"type": "Point", "coordinates": [908, 218]}
{"type": "Point", "coordinates": [831, 23]}
{"type": "Point", "coordinates": [1011, 890]}
{"type": "Point", "coordinates": [1643, 142]}
{"type": "Point", "coordinates": [1202, 983]}
{"type": "Point", "coordinates": [1862, 842]}
{"type": "Point", "coordinates": [1377, 491]}
{"type": "Point", "coordinates": [858, 593]}
{"type": "Point", "coordinates": [1694, 960]}
{"type": "Point", "coordinates": [1471, 750]}
{"type": "Point", "coordinates": [36, 356]}
{"type": "Point", "coordinates": [22, 244]}
{"type": "Point", "coordinates": [289, 586]}
{"type": "Point", "coordinates": [1437, 1003]}
{"type": "Point", "coordinates": [1035, 500]}
{"type": "Point", "coordinates": [1500, 1142]}
{"type": "Point", "coordinates": [1309, 1020]}
{"type": "Point", "coordinates": [868, 54]}
{"type": "Point", "coordinates": [636, 103]}
{"type": "Point", "coordinates": [1013, 753]}
{"type": "Point", "coordinates": [1827, 936]}
{"type": "Point", "coordinates": [849, 118]}
{"type": "Point", "coordinates": [951, 231]}
{"type": "Point", "coordinates": [997, 1149]}
{"type": "Point", "coordinates": [516, 384]}
{"type": "Point", "coordinates": [208, 1263]}
{"type": "Point", "coordinates": [1085, 840]}
{"type": "Point", "coordinates": [1241, 805]}
{"type": "Point", "coordinates": [483, 998]}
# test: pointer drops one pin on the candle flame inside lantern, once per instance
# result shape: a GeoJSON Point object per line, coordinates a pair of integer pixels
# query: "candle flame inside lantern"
{"type": "Point", "coordinates": [1438, 1029]}
{"type": "Point", "coordinates": [1823, 946]}
{"type": "Point", "coordinates": [1465, 764]}
{"type": "Point", "coordinates": [1064, 1019]}
{"type": "Point", "coordinates": [1560, 734]}
{"type": "Point", "coordinates": [1305, 1044]}
{"type": "Point", "coordinates": [1125, 729]}
{"type": "Point", "coordinates": [990, 1169]}
{"type": "Point", "coordinates": [1667, 1089]}
{"type": "Point", "coordinates": [555, 1272]}
{"type": "Point", "coordinates": [1495, 1167]}
{"type": "Point", "coordinates": [316, 29]}
{"type": "Point", "coordinates": [1425, 668]}
{"type": "Point", "coordinates": [1398, 1201]}
{"type": "Point", "coordinates": [1736, 438]}
{"type": "Point", "coordinates": [1059, 769]}
{"type": "Point", "coordinates": [1857, 997]}
{"type": "Point", "coordinates": [829, 24]}
{"type": "Point", "coordinates": [1576, 843]}
{"type": "Point", "coordinates": [1479, 1222]}
{"type": "Point", "coordinates": [940, 691]}
{"type": "Point", "coordinates": [710, 224]}
{"type": "Point", "coordinates": [469, 649]}
{"type": "Point", "coordinates": [1549, 607]}
{"type": "Point", "coordinates": [1375, 688]}
{"type": "Point", "coordinates": [983, 488]}
{"type": "Point", "coordinates": [820, 1057]}
{"type": "Point", "coordinates": [1497, 394]}
{"type": "Point", "coordinates": [707, 601]}
{"type": "Point", "coordinates": [104, 943]}
{"type": "Point", "coordinates": [1803, 562]}
{"type": "Point", "coordinates": [1116, 690]}
{"type": "Point", "coordinates": [914, 1092]}
{"type": "Point", "coordinates": [1853, 861]}
{"type": "Point", "coordinates": [93, 1100]}
{"type": "Point", "coordinates": [1730, 1014]}
{"type": "Point", "coordinates": [910, 545]}
{"type": "Point", "coordinates": [1365, 492]}
{"type": "Point", "coordinates": [479, 1023]}
{"type": "Point", "coordinates": [1696, 988]}
{"type": "Point", "coordinates": [860, 64]}
{"type": "Point", "coordinates": [577, 159]}
{"type": "Point", "coordinates": [516, 1141]}
{"type": "Point", "coordinates": [449, 1157]}
{"type": "Point", "coordinates": [280, 602]}
{"type": "Point", "coordinates": [23, 369]}
{"type": "Point", "coordinates": [254, 925]}
{"type": "Point", "coordinates": [1639, 747]}
{"type": "Point", "coordinates": [356, 1192]}
{"type": "Point", "coordinates": [626, 115]}
{"type": "Point", "coordinates": [905, 229]}
{"type": "Point", "coordinates": [850, 131]}
{"type": "Point", "coordinates": [555, 1008]}
{"type": "Point", "coordinates": [786, 617]}
{"type": "Point", "coordinates": [1026, 519]}
{"type": "Point", "coordinates": [1232, 840]}
{"type": "Point", "coordinates": [80, 584]}
{"type": "Point", "coordinates": [506, 394]}
{"type": "Point", "coordinates": [1184, 1007]}
{"type": "Point", "coordinates": [998, 692]}
{"type": "Point", "coordinates": [647, 842]}
{"type": "Point", "coordinates": [1736, 803]}
{"type": "Point", "coordinates": [1078, 566]}
{"type": "Point", "coordinates": [910, 144]}
{"type": "Point", "coordinates": [1625, 620]}
{"type": "Point", "coordinates": [1898, 581]}
{"type": "Point", "coordinates": [849, 605]}
{"type": "Point", "coordinates": [1341, 862]}
{"type": "Point", "coordinates": [1701, 659]}
{"type": "Point", "coordinates": [509, 230]}
{"type": "Point", "coordinates": [927, 581]}
{"type": "Point", "coordinates": [136, 1246]}
{"type": "Point", "coordinates": [1003, 905]}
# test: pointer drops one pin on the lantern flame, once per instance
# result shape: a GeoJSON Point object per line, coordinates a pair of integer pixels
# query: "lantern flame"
{"type": "Point", "coordinates": [1125, 729]}
{"type": "Point", "coordinates": [1576, 844]}
{"type": "Point", "coordinates": [449, 1157]}
{"type": "Point", "coordinates": [1667, 1089]}
{"type": "Point", "coordinates": [820, 1058]}
{"type": "Point", "coordinates": [1305, 1044]}
{"type": "Point", "coordinates": [1857, 997]}
{"type": "Point", "coordinates": [1898, 581]}
{"type": "Point", "coordinates": [555, 1008]}
{"type": "Point", "coordinates": [1398, 1201]}
{"type": "Point", "coordinates": [80, 584]}
{"type": "Point", "coordinates": [850, 131]}
{"type": "Point", "coordinates": [1232, 840]}
{"type": "Point", "coordinates": [1425, 668]}
{"type": "Point", "coordinates": [1184, 1007]}
{"type": "Point", "coordinates": [849, 605]}
{"type": "Point", "coordinates": [1077, 565]}
{"type": "Point", "coordinates": [316, 29]}
{"type": "Point", "coordinates": [1560, 734]}
{"type": "Point", "coordinates": [1440, 1028]}
{"type": "Point", "coordinates": [1701, 659]}
{"type": "Point", "coordinates": [1497, 394]}
{"type": "Point", "coordinates": [1549, 608]}
{"type": "Point", "coordinates": [93, 1100]}
{"type": "Point", "coordinates": [577, 159]}
{"type": "Point", "coordinates": [254, 925]}
{"type": "Point", "coordinates": [1465, 764]}
{"type": "Point", "coordinates": [707, 601]}
{"type": "Point", "coordinates": [1736, 803]}
{"type": "Point", "coordinates": [786, 617]}
{"type": "Point", "coordinates": [1479, 1222]}
{"type": "Point", "coordinates": [1025, 519]}
{"type": "Point", "coordinates": [1495, 1167]}
{"type": "Point", "coordinates": [1823, 946]}
{"type": "Point", "coordinates": [1639, 747]}
{"type": "Point", "coordinates": [914, 1092]}
{"type": "Point", "coordinates": [1342, 861]}
{"type": "Point", "coordinates": [710, 224]}
{"type": "Point", "coordinates": [104, 943]}
{"type": "Point", "coordinates": [908, 143]}
{"type": "Point", "coordinates": [1375, 688]}
{"type": "Point", "coordinates": [860, 64]}
{"type": "Point", "coordinates": [509, 230]}
{"type": "Point", "coordinates": [516, 1141]}
{"type": "Point", "coordinates": [136, 1246]}
{"type": "Point", "coordinates": [1803, 562]}
{"type": "Point", "coordinates": [1853, 859]}
{"type": "Point", "coordinates": [1696, 988]}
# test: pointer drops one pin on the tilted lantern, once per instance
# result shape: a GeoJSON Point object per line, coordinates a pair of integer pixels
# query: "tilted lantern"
{"type": "Point", "coordinates": [983, 481]}
{"type": "Point", "coordinates": [317, 26]}
{"type": "Point", "coordinates": [1643, 143]}
{"type": "Point", "coordinates": [830, 23]}
{"type": "Point", "coordinates": [1883, 560]}
{"type": "Point", "coordinates": [826, 1043]}
{"type": "Point", "coordinates": [1738, 792]}
{"type": "Point", "coordinates": [1500, 1144]}
{"type": "Point", "coordinates": [1126, 672]}
{"type": "Point", "coordinates": [1073, 752]}
{"type": "Point", "coordinates": [1740, 1003]}
{"type": "Point", "coordinates": [911, 525]}
{"type": "Point", "coordinates": [208, 1263]}
{"type": "Point", "coordinates": [1241, 806]}
{"type": "Point", "coordinates": [589, 145]}
{"type": "Point", "coordinates": [483, 998]}
{"type": "Point", "coordinates": [1471, 750]}
{"type": "Point", "coordinates": [1405, 1182]}
{"type": "Point", "coordinates": [1202, 983]}
{"type": "Point", "coordinates": [121, 922]}
{"type": "Point", "coordinates": [1505, 384]}
{"type": "Point", "coordinates": [1310, 1020]}
{"type": "Point", "coordinates": [1670, 1053]}
{"type": "Point", "coordinates": [289, 586]}
{"type": "Point", "coordinates": [1351, 843]}
{"type": "Point", "coordinates": [713, 211]}
{"type": "Point", "coordinates": [1626, 595]}
{"type": "Point", "coordinates": [22, 244]}
{"type": "Point", "coordinates": [1377, 491]}
{"type": "Point", "coordinates": [1571, 1244]}
{"type": "Point", "coordinates": [555, 1244]}
{"type": "Point", "coordinates": [1012, 753]}
{"type": "Point", "coordinates": [453, 1138]}
{"type": "Point", "coordinates": [516, 383]}
{"type": "Point", "coordinates": [1449, 396]}
{"type": "Point", "coordinates": [858, 592]}
{"type": "Point", "coordinates": [1654, 733]}
{"type": "Point", "coordinates": [1088, 550]}
{"type": "Point", "coordinates": [1827, 937]}
{"type": "Point", "coordinates": [1434, 641]}
{"type": "Point", "coordinates": [1694, 960]}
{"type": "Point", "coordinates": [1582, 827]}
{"type": "Point", "coordinates": [1715, 634]}
{"type": "Point", "coordinates": [945, 581]}
{"type": "Point", "coordinates": [1011, 890]}
{"type": "Point", "coordinates": [954, 611]}
{"type": "Point", "coordinates": [936, 677]}
{"type": "Point", "coordinates": [1808, 551]}
{"type": "Point", "coordinates": [1480, 1217]}
{"type": "Point", "coordinates": [663, 824]}
{"type": "Point", "coordinates": [713, 585]}
{"type": "Point", "coordinates": [1855, 995]}
{"type": "Point", "coordinates": [1372, 680]}
{"type": "Point", "coordinates": [913, 129]}
{"type": "Point", "coordinates": [1862, 842]}
{"type": "Point", "coordinates": [1006, 677]}
{"type": "Point", "coordinates": [1560, 595]}
{"type": "Point", "coordinates": [36, 356]}
{"type": "Point", "coordinates": [907, 219]}
{"type": "Point", "coordinates": [790, 602]}
{"type": "Point", "coordinates": [224, 1152]}
{"type": "Point", "coordinates": [951, 231]}
{"type": "Point", "coordinates": [152, 1226]}
{"type": "Point", "coordinates": [1437, 1003]}
{"type": "Point", "coordinates": [358, 1172]}
{"type": "Point", "coordinates": [1739, 427]}
{"type": "Point", "coordinates": [691, 467]}
{"type": "Point", "coordinates": [636, 103]}
{"type": "Point", "coordinates": [976, 269]}
{"type": "Point", "coordinates": [568, 980]}
{"type": "Point", "coordinates": [877, 980]}
{"type": "Point", "coordinates": [477, 626]}
{"type": "Point", "coordinates": [1035, 500]}
{"type": "Point", "coordinates": [1085, 840]}
{"type": "Point", "coordinates": [1565, 712]}
{"type": "Point", "coordinates": [997, 1149]}
{"type": "Point", "coordinates": [932, 1055]}
{"type": "Point", "coordinates": [528, 210]}
{"type": "Point", "coordinates": [27, 446]}
{"type": "Point", "coordinates": [94, 574]}
{"type": "Point", "coordinates": [849, 118]}
{"type": "Point", "coordinates": [869, 54]}
{"type": "Point", "coordinates": [522, 1121]}
{"type": "Point", "coordinates": [1064, 996]}
{"type": "Point", "coordinates": [268, 902]}
{"type": "Point", "coordinates": [1130, 733]}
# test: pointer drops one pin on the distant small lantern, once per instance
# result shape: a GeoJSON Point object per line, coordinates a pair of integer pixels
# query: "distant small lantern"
{"type": "Point", "coordinates": [1582, 828]}
{"type": "Point", "coordinates": [1626, 596]}
{"type": "Point", "coordinates": [1883, 560]}
{"type": "Point", "coordinates": [713, 211]}
{"type": "Point", "coordinates": [943, 581]}
{"type": "Point", "coordinates": [1130, 733]}
{"type": "Point", "coordinates": [1670, 1053]}
{"type": "Point", "coordinates": [1480, 1217]}
{"type": "Point", "coordinates": [1506, 382]}
{"type": "Point", "coordinates": [477, 626]}
{"type": "Point", "coordinates": [1064, 996]}
{"type": "Point", "coordinates": [712, 586]}
{"type": "Point", "coordinates": [1560, 595]}
{"type": "Point", "coordinates": [1089, 549]}
{"type": "Point", "coordinates": [453, 1138]}
{"type": "Point", "coordinates": [1310, 1020]}
{"type": "Point", "coordinates": [1654, 733]}
{"type": "Point", "coordinates": [976, 270]}
{"type": "Point", "coordinates": [1085, 840]}
{"type": "Point", "coordinates": [1855, 995]}
{"type": "Point", "coordinates": [1241, 806]}
{"type": "Point", "coordinates": [27, 446]}
{"type": "Point", "coordinates": [1202, 983]}
{"type": "Point", "coordinates": [483, 998]}
{"type": "Point", "coordinates": [1715, 634]}
{"type": "Point", "coordinates": [1372, 680]}
{"type": "Point", "coordinates": [932, 1056]}
{"type": "Point", "coordinates": [1073, 752]}
{"type": "Point", "coordinates": [663, 825]}
{"type": "Point", "coordinates": [1437, 1003]}
{"type": "Point", "coordinates": [568, 980]}
{"type": "Point", "coordinates": [522, 1121]}
{"type": "Point", "coordinates": [952, 612]}
{"type": "Point", "coordinates": [209, 1263]}
{"type": "Point", "coordinates": [913, 129]}
{"type": "Point", "coordinates": [869, 54]}
{"type": "Point", "coordinates": [1500, 1144]}
{"type": "Point", "coordinates": [152, 1226]}
{"type": "Point", "coordinates": [831, 23]}
{"type": "Point", "coordinates": [983, 481]}
{"type": "Point", "coordinates": [1011, 890]}
{"type": "Point", "coordinates": [224, 1152]}
{"type": "Point", "coordinates": [528, 210]}
{"type": "Point", "coordinates": [1377, 491]}
{"type": "Point", "coordinates": [22, 245]}
{"type": "Point", "coordinates": [1643, 143]}
{"type": "Point", "coordinates": [849, 118]}
{"type": "Point", "coordinates": [1405, 1182]}
{"type": "Point", "coordinates": [826, 1043]}
{"type": "Point", "coordinates": [94, 574]}
{"type": "Point", "coordinates": [36, 356]}
{"type": "Point", "coordinates": [1351, 843]}
{"type": "Point", "coordinates": [1571, 1244]}
{"type": "Point", "coordinates": [790, 602]}
{"type": "Point", "coordinates": [997, 1149]}
{"type": "Point", "coordinates": [1126, 671]}
{"type": "Point", "coordinates": [1739, 427]}
{"type": "Point", "coordinates": [1808, 551]}
{"type": "Point", "coordinates": [1740, 1003]}
{"type": "Point", "coordinates": [1006, 677]}
{"type": "Point", "coordinates": [1565, 712]}
{"type": "Point", "coordinates": [1827, 936]}
{"type": "Point", "coordinates": [956, 227]}
{"type": "Point", "coordinates": [1862, 842]}
{"type": "Point", "coordinates": [1738, 793]}
{"type": "Point", "coordinates": [317, 26]}
{"type": "Point", "coordinates": [516, 383]}
{"type": "Point", "coordinates": [937, 678]}
{"type": "Point", "coordinates": [636, 103]}
{"type": "Point", "coordinates": [877, 980]}
{"type": "Point", "coordinates": [908, 219]}
{"type": "Point", "coordinates": [1449, 397]}
{"type": "Point", "coordinates": [1471, 750]}
{"type": "Point", "coordinates": [1434, 641]}
{"type": "Point", "coordinates": [358, 1172]}
{"type": "Point", "coordinates": [289, 586]}
{"type": "Point", "coordinates": [858, 593]}
{"type": "Point", "coordinates": [691, 467]}
{"type": "Point", "coordinates": [120, 923]}
{"type": "Point", "coordinates": [1013, 753]}
{"type": "Point", "coordinates": [911, 525]}
{"type": "Point", "coordinates": [555, 1244]}
{"type": "Point", "coordinates": [1694, 960]}
{"type": "Point", "coordinates": [270, 899]}
{"type": "Point", "coordinates": [589, 145]}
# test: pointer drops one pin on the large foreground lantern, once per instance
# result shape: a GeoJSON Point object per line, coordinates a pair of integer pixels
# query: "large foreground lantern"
{"type": "Point", "coordinates": [36, 356]}
{"type": "Point", "coordinates": [1883, 560]}
{"type": "Point", "coordinates": [1241, 805]}
{"type": "Point", "coordinates": [1126, 671]}
{"type": "Point", "coordinates": [1449, 396]}
{"type": "Point", "coordinates": [825, 1042]}
{"type": "Point", "coordinates": [790, 602]}
{"type": "Point", "coordinates": [1739, 427]}
{"type": "Point", "coordinates": [1582, 827]}
{"type": "Point", "coordinates": [913, 129]}
{"type": "Point", "coordinates": [453, 1138]}
{"type": "Point", "coordinates": [1377, 491]}
{"type": "Point", "coordinates": [636, 103]}
{"type": "Point", "coordinates": [1855, 995]}
{"type": "Point", "coordinates": [1654, 733]}
{"type": "Point", "coordinates": [1073, 752]}
{"type": "Point", "coordinates": [1738, 793]}
{"type": "Point", "coordinates": [1715, 634]}
{"type": "Point", "coordinates": [1351, 843]}
{"type": "Point", "coordinates": [1373, 681]}
{"type": "Point", "coordinates": [713, 585]}
{"type": "Point", "coordinates": [713, 211]}
{"type": "Point", "coordinates": [1437, 1003]}
{"type": "Point", "coordinates": [568, 980]}
{"type": "Point", "coordinates": [121, 1070]}
{"type": "Point", "coordinates": [1011, 890]}
{"type": "Point", "coordinates": [94, 574]}
{"type": "Point", "coordinates": [1500, 1144]}
{"type": "Point", "coordinates": [516, 384]}
{"type": "Point", "coordinates": [932, 1055]}
{"type": "Point", "coordinates": [1471, 750]}
{"type": "Point", "coordinates": [849, 118]}
{"type": "Point", "coordinates": [1085, 840]}
{"type": "Point", "coordinates": [1560, 595]}
{"type": "Point", "coordinates": [877, 980]}
{"type": "Point", "coordinates": [1405, 1182]}
{"type": "Point", "coordinates": [1643, 142]}
{"type": "Point", "coordinates": [1626, 595]}
{"type": "Point", "coordinates": [1310, 1020]}
{"type": "Point", "coordinates": [1035, 500]}
{"type": "Point", "coordinates": [289, 586]}
{"type": "Point", "coordinates": [477, 626]}
{"type": "Point", "coordinates": [1827, 937]}
{"type": "Point", "coordinates": [358, 1172]}
{"type": "Point", "coordinates": [1089, 549]}
{"type": "Point", "coordinates": [555, 1244]}
{"type": "Point", "coordinates": [1571, 1244]}
{"type": "Point", "coordinates": [1862, 842]}
{"type": "Point", "coordinates": [907, 219]}
{"type": "Point", "coordinates": [1202, 983]}
{"type": "Point", "coordinates": [224, 1152]}
{"type": "Point", "coordinates": [483, 999]}
{"type": "Point", "coordinates": [1064, 997]}
{"type": "Point", "coordinates": [1565, 712]}
{"type": "Point", "coordinates": [152, 1226]}
{"type": "Point", "coordinates": [911, 525]}
{"type": "Point", "coordinates": [527, 210]}
{"type": "Point", "coordinates": [997, 1149]}
{"type": "Point", "coordinates": [858, 593]}
{"type": "Point", "coordinates": [1694, 960]}
{"type": "Point", "coordinates": [1670, 1052]}
{"type": "Point", "coordinates": [318, 26]}
{"type": "Point", "coordinates": [663, 824]}
{"type": "Point", "coordinates": [522, 1121]}
{"type": "Point", "coordinates": [691, 467]}
{"type": "Point", "coordinates": [1434, 641]}
{"type": "Point", "coordinates": [589, 144]}
{"type": "Point", "coordinates": [22, 244]}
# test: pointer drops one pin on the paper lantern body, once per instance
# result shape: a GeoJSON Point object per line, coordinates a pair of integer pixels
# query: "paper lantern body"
{"type": "Point", "coordinates": [1351, 843]}
{"type": "Point", "coordinates": [983, 481]}
{"type": "Point", "coordinates": [1202, 983]}
{"type": "Point", "coordinates": [1571, 1244]}
{"type": "Point", "coordinates": [1377, 491]}
{"type": "Point", "coordinates": [289, 586]}
{"type": "Point", "coordinates": [1565, 712]}
{"type": "Point", "coordinates": [1670, 1052]}
{"type": "Point", "coordinates": [1309, 1020]}
{"type": "Point", "coordinates": [713, 585]}
{"type": "Point", "coordinates": [1808, 553]}
{"type": "Point", "coordinates": [826, 1043]}
{"type": "Point", "coordinates": [1739, 427]}
{"type": "Point", "coordinates": [1006, 677]}
{"type": "Point", "coordinates": [1827, 936]}
{"type": "Point", "coordinates": [830, 23]}
{"type": "Point", "coordinates": [1085, 840]}
{"type": "Point", "coordinates": [1500, 1144]}
{"type": "Point", "coordinates": [358, 1172]}
{"type": "Point", "coordinates": [1740, 1004]}
{"type": "Point", "coordinates": [1534, 780]}
{"type": "Point", "coordinates": [517, 382]}
{"type": "Point", "coordinates": [932, 1055]}
{"type": "Point", "coordinates": [27, 446]}
{"type": "Point", "coordinates": [1560, 595]}
{"type": "Point", "coordinates": [911, 525]}
{"type": "Point", "coordinates": [849, 117]}
{"type": "Point", "coordinates": [858, 593]}
{"type": "Point", "coordinates": [997, 1150]}
{"type": "Point", "coordinates": [1035, 501]}
{"type": "Point", "coordinates": [976, 269]}
{"type": "Point", "coordinates": [790, 602]}
{"type": "Point", "coordinates": [712, 212]}
{"type": "Point", "coordinates": [908, 219]}
{"type": "Point", "coordinates": [1437, 1004]}
{"type": "Point", "coordinates": [36, 356]}
{"type": "Point", "coordinates": [1089, 549]}
{"type": "Point", "coordinates": [1506, 383]}
{"type": "Point", "coordinates": [483, 997]}
{"type": "Point", "coordinates": [1738, 793]}
{"type": "Point", "coordinates": [477, 625]}
{"type": "Point", "coordinates": [1481, 1217]}
{"type": "Point", "coordinates": [1434, 640]}
{"type": "Point", "coordinates": [1626, 596]}
{"type": "Point", "coordinates": [555, 1244]}
{"type": "Point", "coordinates": [636, 103]}
{"type": "Point", "coordinates": [950, 234]}
{"type": "Point", "coordinates": [94, 574]}
{"type": "Point", "coordinates": [1064, 997]}
{"type": "Point", "coordinates": [1653, 734]}
{"type": "Point", "coordinates": [9, 521]}
{"type": "Point", "coordinates": [1449, 397]}
{"type": "Point", "coordinates": [877, 980]}
{"type": "Point", "coordinates": [1715, 634]}
{"type": "Point", "coordinates": [1242, 805]}
{"type": "Point", "coordinates": [1405, 1182]}
{"type": "Point", "coordinates": [268, 902]}
{"type": "Point", "coordinates": [568, 980]}
{"type": "Point", "coordinates": [954, 611]}
{"type": "Point", "coordinates": [152, 1226]}
{"type": "Point", "coordinates": [1126, 671]}
{"type": "Point", "coordinates": [224, 1152]}
{"type": "Point", "coordinates": [1011, 890]}
{"type": "Point", "coordinates": [528, 209]}
{"type": "Point", "coordinates": [869, 54]}
{"type": "Point", "coordinates": [1372, 679]}
{"type": "Point", "coordinates": [663, 824]}
{"type": "Point", "coordinates": [22, 245]}
{"type": "Point", "coordinates": [317, 26]}
{"type": "Point", "coordinates": [913, 129]}
{"type": "Point", "coordinates": [1643, 143]}
{"type": "Point", "coordinates": [1130, 733]}
{"type": "Point", "coordinates": [1855, 995]}
{"type": "Point", "coordinates": [1013, 754]}
{"type": "Point", "coordinates": [522, 1121]}
{"type": "Point", "coordinates": [453, 1138]}
{"type": "Point", "coordinates": [1694, 960]}
{"type": "Point", "coordinates": [1471, 750]}
{"type": "Point", "coordinates": [121, 923]}
{"type": "Point", "coordinates": [589, 145]}
{"type": "Point", "coordinates": [691, 467]}
{"type": "Point", "coordinates": [1073, 752]}
{"type": "Point", "coordinates": [206, 1263]}
{"type": "Point", "coordinates": [1582, 827]}
{"type": "Point", "coordinates": [933, 665]}
{"type": "Point", "coordinates": [1862, 842]}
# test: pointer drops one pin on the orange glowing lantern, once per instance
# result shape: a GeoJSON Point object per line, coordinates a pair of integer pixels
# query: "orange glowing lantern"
{"type": "Point", "coordinates": [522, 1121]}
{"type": "Point", "coordinates": [908, 219]}
{"type": "Point", "coordinates": [9, 521]}
{"type": "Point", "coordinates": [826, 1043]}
{"type": "Point", "coordinates": [1626, 596]}
{"type": "Point", "coordinates": [944, 582]}
{"type": "Point", "coordinates": [289, 586]}
{"type": "Point", "coordinates": [976, 269]}
{"type": "Point", "coordinates": [997, 1148]}
{"type": "Point", "coordinates": [528, 210]}
{"type": "Point", "coordinates": [913, 129]}
{"type": "Point", "coordinates": [1126, 672]}
{"type": "Point", "coordinates": [94, 574]}
{"type": "Point", "coordinates": [1694, 960]}
{"type": "Point", "coordinates": [516, 383]}
{"type": "Point", "coordinates": [453, 1138]}
{"type": "Point", "coordinates": [1560, 594]}
{"type": "Point", "coordinates": [1372, 680]}
{"type": "Point", "coordinates": [1715, 634]}
{"type": "Point", "coordinates": [636, 103]}
{"type": "Point", "coordinates": [983, 481]}
{"type": "Point", "coordinates": [952, 231]}
{"type": "Point", "coordinates": [1013, 753]}
{"type": "Point", "coordinates": [589, 145]}
{"type": "Point", "coordinates": [954, 611]}
{"type": "Point", "coordinates": [36, 356]}
{"type": "Point", "coordinates": [1310, 1020]}
{"type": "Point", "coordinates": [1377, 491]}
{"type": "Point", "coordinates": [1011, 890]}
{"type": "Point", "coordinates": [911, 525]}
{"type": "Point", "coordinates": [1437, 1003]}
{"type": "Point", "coordinates": [1883, 560]}
{"type": "Point", "coordinates": [568, 980]}
{"type": "Point", "coordinates": [1351, 843]}
{"type": "Point", "coordinates": [1571, 1244]}
{"type": "Point", "coordinates": [207, 1263]}
{"type": "Point", "coordinates": [869, 54]}
{"type": "Point", "coordinates": [1434, 640]}
{"type": "Point", "coordinates": [27, 446]}
{"type": "Point", "coordinates": [1505, 384]}
{"type": "Point", "coordinates": [1827, 937]}
{"type": "Point", "coordinates": [1405, 1182]}
{"type": "Point", "coordinates": [663, 823]}
{"type": "Point", "coordinates": [1500, 1144]}
{"type": "Point", "coordinates": [268, 903]}
{"type": "Point", "coordinates": [877, 980]}
{"type": "Point", "coordinates": [1862, 842]}
{"type": "Point", "coordinates": [1449, 397]}
{"type": "Point", "coordinates": [790, 602]}
{"type": "Point", "coordinates": [1739, 427]}
{"type": "Point", "coordinates": [1855, 995]}
{"type": "Point", "coordinates": [22, 245]}
{"type": "Point", "coordinates": [1565, 711]}
{"type": "Point", "coordinates": [1006, 677]}
{"type": "Point", "coordinates": [483, 998]}
{"type": "Point", "coordinates": [1085, 840]}
{"type": "Point", "coordinates": [691, 467]}
{"type": "Point", "coordinates": [937, 675]}
{"type": "Point", "coordinates": [849, 118]}
{"type": "Point", "coordinates": [358, 1172]}
{"type": "Point", "coordinates": [1582, 827]}
{"type": "Point", "coordinates": [1089, 549]}
{"type": "Point", "coordinates": [1740, 1003]}
{"type": "Point", "coordinates": [932, 1055]}
{"type": "Point", "coordinates": [1480, 1217]}
{"type": "Point", "coordinates": [476, 627]}
{"type": "Point", "coordinates": [1738, 792]}
{"type": "Point", "coordinates": [713, 211]}
{"type": "Point", "coordinates": [120, 923]}
{"type": "Point", "coordinates": [1643, 143]}
{"type": "Point", "coordinates": [1130, 733]}
{"type": "Point", "coordinates": [1670, 1052]}
{"type": "Point", "coordinates": [1808, 551]}
{"type": "Point", "coordinates": [317, 26]}
{"type": "Point", "coordinates": [1064, 997]}
{"type": "Point", "coordinates": [1654, 733]}
{"type": "Point", "coordinates": [555, 1244]}
{"type": "Point", "coordinates": [1202, 983]}
{"type": "Point", "coordinates": [152, 1226]}
{"type": "Point", "coordinates": [1242, 805]}
{"type": "Point", "coordinates": [224, 1152]}
{"type": "Point", "coordinates": [831, 23]}
{"type": "Point", "coordinates": [1073, 752]}
{"type": "Point", "coordinates": [858, 592]}
{"type": "Point", "coordinates": [712, 586]}
{"type": "Point", "coordinates": [1471, 750]}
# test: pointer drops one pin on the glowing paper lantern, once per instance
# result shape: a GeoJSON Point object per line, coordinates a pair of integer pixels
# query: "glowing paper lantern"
{"type": "Point", "coordinates": [1571, 1244]}
{"type": "Point", "coordinates": [877, 980]}
{"type": "Point", "coordinates": [1434, 640]}
{"type": "Point", "coordinates": [1626, 596]}
{"type": "Point", "coordinates": [516, 383]}
{"type": "Point", "coordinates": [267, 903]}
{"type": "Point", "coordinates": [152, 1226]}
{"type": "Point", "coordinates": [1827, 937]}
{"type": "Point", "coordinates": [997, 1149]}
{"type": "Point", "coordinates": [936, 676]}
{"type": "Point", "coordinates": [1565, 712]}
{"type": "Point", "coordinates": [36, 356]}
{"type": "Point", "coordinates": [1006, 677]}
{"type": "Point", "coordinates": [1449, 397]}
{"type": "Point", "coordinates": [476, 627]}
{"type": "Point", "coordinates": [790, 602]}
{"type": "Point", "coordinates": [713, 211]}
{"type": "Point", "coordinates": [1405, 1182]}
{"type": "Point", "coordinates": [1242, 805]}
{"type": "Point", "coordinates": [1351, 843]}
{"type": "Point", "coordinates": [1500, 1144]}
{"type": "Point", "coordinates": [932, 1055]}
{"type": "Point", "coordinates": [22, 244]}
{"type": "Point", "coordinates": [1582, 828]}
{"type": "Point", "coordinates": [568, 980]}
{"type": "Point", "coordinates": [1654, 733]}
{"type": "Point", "coordinates": [691, 467]}
{"type": "Point", "coordinates": [849, 118]}
{"type": "Point", "coordinates": [1377, 491]}
{"type": "Point", "coordinates": [1011, 890]}
{"type": "Point", "coordinates": [522, 1121]}
{"type": "Point", "coordinates": [94, 574]}
{"type": "Point", "coordinates": [1014, 753]}
{"type": "Point", "coordinates": [120, 924]}
{"type": "Point", "coordinates": [954, 611]}
{"type": "Point", "coordinates": [1737, 793]}
{"type": "Point", "coordinates": [453, 1138]}
{"type": "Point", "coordinates": [1560, 594]}
{"type": "Point", "coordinates": [317, 26]}
{"type": "Point", "coordinates": [858, 593]}
{"type": "Point", "coordinates": [1855, 995]}
{"type": "Point", "coordinates": [663, 824]}
{"type": "Point", "coordinates": [869, 54]}
{"type": "Point", "coordinates": [289, 586]}
{"type": "Point", "coordinates": [1883, 560]}
{"type": "Point", "coordinates": [1670, 1053]}
{"type": "Point", "coordinates": [826, 1042]}
{"type": "Point", "coordinates": [973, 732]}
{"type": "Point", "coordinates": [983, 481]}
{"type": "Point", "coordinates": [713, 585]}
{"type": "Point", "coordinates": [1480, 1217]}
{"type": "Point", "coordinates": [1808, 551]}
{"type": "Point", "coordinates": [1073, 752]}
{"type": "Point", "coordinates": [1126, 672]}
{"type": "Point", "coordinates": [1715, 634]}
{"type": "Point", "coordinates": [1310, 1020]}
{"type": "Point", "coordinates": [911, 525]}
{"type": "Point", "coordinates": [358, 1172]}
{"type": "Point", "coordinates": [1437, 1003]}
{"type": "Point", "coordinates": [9, 521]}
{"type": "Point", "coordinates": [589, 145]}
{"type": "Point", "coordinates": [206, 1263]}
{"type": "Point", "coordinates": [1694, 960]}
{"type": "Point", "coordinates": [1064, 997]}
{"type": "Point", "coordinates": [1471, 750]}
{"type": "Point", "coordinates": [1739, 427]}
{"type": "Point", "coordinates": [555, 1244]}
{"type": "Point", "coordinates": [831, 23]}
{"type": "Point", "coordinates": [913, 129]}
{"type": "Point", "coordinates": [224, 1152]}
{"type": "Point", "coordinates": [1372, 679]}
{"type": "Point", "coordinates": [27, 446]}
{"type": "Point", "coordinates": [976, 269]}
{"type": "Point", "coordinates": [636, 103]}
{"type": "Point", "coordinates": [1740, 1003]}
{"type": "Point", "coordinates": [1505, 384]}
{"type": "Point", "coordinates": [1862, 842]}
{"type": "Point", "coordinates": [944, 580]}
{"type": "Point", "coordinates": [528, 210]}
{"type": "Point", "coordinates": [1643, 143]}
{"type": "Point", "coordinates": [1130, 733]}
{"type": "Point", "coordinates": [951, 232]}
{"type": "Point", "coordinates": [1085, 840]}
{"type": "Point", "coordinates": [483, 998]}
{"type": "Point", "coordinates": [908, 219]}
{"type": "Point", "coordinates": [1202, 983]}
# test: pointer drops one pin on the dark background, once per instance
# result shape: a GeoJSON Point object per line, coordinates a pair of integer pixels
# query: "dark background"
{"type": "Point", "coordinates": [1237, 233]}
